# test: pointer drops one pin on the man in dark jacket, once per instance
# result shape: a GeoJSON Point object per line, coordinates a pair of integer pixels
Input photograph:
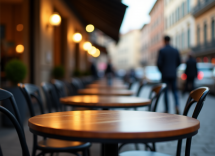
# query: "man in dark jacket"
{"type": "Point", "coordinates": [167, 62]}
{"type": "Point", "coordinates": [191, 72]}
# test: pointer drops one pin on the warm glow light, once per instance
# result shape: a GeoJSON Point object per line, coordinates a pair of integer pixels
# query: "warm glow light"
{"type": "Point", "coordinates": [55, 19]}
{"type": "Point", "coordinates": [92, 50]}
{"type": "Point", "coordinates": [19, 27]}
{"type": "Point", "coordinates": [213, 60]}
{"type": "Point", "coordinates": [183, 76]}
{"type": "Point", "coordinates": [89, 28]}
{"type": "Point", "coordinates": [205, 59]}
{"type": "Point", "coordinates": [87, 45]}
{"type": "Point", "coordinates": [20, 48]}
{"type": "Point", "coordinates": [97, 53]}
{"type": "Point", "coordinates": [77, 37]}
{"type": "Point", "coordinates": [200, 75]}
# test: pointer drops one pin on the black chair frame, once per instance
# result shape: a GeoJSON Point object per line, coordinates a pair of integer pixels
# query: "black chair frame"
{"type": "Point", "coordinates": [15, 120]}
{"type": "Point", "coordinates": [30, 91]}
{"type": "Point", "coordinates": [197, 97]}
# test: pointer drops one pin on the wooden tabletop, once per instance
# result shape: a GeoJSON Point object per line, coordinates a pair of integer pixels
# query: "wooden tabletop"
{"type": "Point", "coordinates": [104, 81]}
{"type": "Point", "coordinates": [105, 101]}
{"type": "Point", "coordinates": [94, 124]}
{"type": "Point", "coordinates": [105, 86]}
{"type": "Point", "coordinates": [110, 91]}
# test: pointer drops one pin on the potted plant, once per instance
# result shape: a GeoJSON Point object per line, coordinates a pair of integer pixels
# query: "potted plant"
{"type": "Point", "coordinates": [15, 71]}
{"type": "Point", "coordinates": [58, 72]}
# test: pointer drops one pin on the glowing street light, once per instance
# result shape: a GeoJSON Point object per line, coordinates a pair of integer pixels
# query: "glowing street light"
{"type": "Point", "coordinates": [55, 19]}
{"type": "Point", "coordinates": [90, 28]}
{"type": "Point", "coordinates": [20, 48]}
{"type": "Point", "coordinates": [87, 46]}
{"type": "Point", "coordinates": [92, 50]}
{"type": "Point", "coordinates": [97, 53]}
{"type": "Point", "coordinates": [77, 37]}
{"type": "Point", "coordinates": [19, 27]}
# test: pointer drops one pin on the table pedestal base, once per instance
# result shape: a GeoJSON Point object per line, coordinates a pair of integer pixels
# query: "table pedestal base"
{"type": "Point", "coordinates": [110, 150]}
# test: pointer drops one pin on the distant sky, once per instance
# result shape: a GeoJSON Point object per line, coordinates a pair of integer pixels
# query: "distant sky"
{"type": "Point", "coordinates": [137, 14]}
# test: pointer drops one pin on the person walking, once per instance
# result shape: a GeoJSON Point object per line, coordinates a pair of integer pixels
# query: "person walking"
{"type": "Point", "coordinates": [191, 72]}
{"type": "Point", "coordinates": [109, 72]}
{"type": "Point", "coordinates": [167, 62]}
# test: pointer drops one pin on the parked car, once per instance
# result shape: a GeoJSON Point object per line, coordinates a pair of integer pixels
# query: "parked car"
{"type": "Point", "coordinates": [205, 77]}
{"type": "Point", "coordinates": [139, 73]}
{"type": "Point", "coordinates": [152, 74]}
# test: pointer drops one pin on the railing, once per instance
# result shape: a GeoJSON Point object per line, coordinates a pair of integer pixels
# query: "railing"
{"type": "Point", "coordinates": [204, 47]}
{"type": "Point", "coordinates": [202, 5]}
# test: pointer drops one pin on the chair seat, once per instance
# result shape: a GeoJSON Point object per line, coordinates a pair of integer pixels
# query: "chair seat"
{"type": "Point", "coordinates": [62, 144]}
{"type": "Point", "coordinates": [142, 153]}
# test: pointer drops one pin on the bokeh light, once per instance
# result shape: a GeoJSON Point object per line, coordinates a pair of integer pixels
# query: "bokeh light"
{"type": "Point", "coordinates": [55, 19]}
{"type": "Point", "coordinates": [87, 45]}
{"type": "Point", "coordinates": [77, 37]}
{"type": "Point", "coordinates": [90, 28]}
{"type": "Point", "coordinates": [19, 27]}
{"type": "Point", "coordinates": [20, 48]}
{"type": "Point", "coordinates": [97, 53]}
{"type": "Point", "coordinates": [92, 50]}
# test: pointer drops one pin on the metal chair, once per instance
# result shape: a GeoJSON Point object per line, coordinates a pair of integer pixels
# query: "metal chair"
{"type": "Point", "coordinates": [142, 83]}
{"type": "Point", "coordinates": [196, 96]}
{"type": "Point", "coordinates": [52, 100]}
{"type": "Point", "coordinates": [60, 88]}
{"type": "Point", "coordinates": [48, 145]}
{"type": "Point", "coordinates": [154, 95]}
{"type": "Point", "coordinates": [15, 120]}
{"type": "Point", "coordinates": [76, 85]}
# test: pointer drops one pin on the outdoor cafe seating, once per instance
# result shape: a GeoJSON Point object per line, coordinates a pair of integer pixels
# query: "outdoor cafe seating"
{"type": "Point", "coordinates": [74, 131]}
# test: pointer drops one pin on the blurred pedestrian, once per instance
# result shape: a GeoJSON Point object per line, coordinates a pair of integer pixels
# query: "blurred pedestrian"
{"type": "Point", "coordinates": [191, 72]}
{"type": "Point", "coordinates": [167, 62]}
{"type": "Point", "coordinates": [109, 72]}
{"type": "Point", "coordinates": [94, 70]}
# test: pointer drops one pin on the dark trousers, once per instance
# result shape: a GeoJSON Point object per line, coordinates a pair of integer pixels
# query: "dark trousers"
{"type": "Point", "coordinates": [171, 83]}
{"type": "Point", "coordinates": [189, 84]}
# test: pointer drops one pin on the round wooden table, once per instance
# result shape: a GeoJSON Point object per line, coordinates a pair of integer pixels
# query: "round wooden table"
{"type": "Point", "coordinates": [105, 102]}
{"type": "Point", "coordinates": [108, 92]}
{"type": "Point", "coordinates": [105, 86]}
{"type": "Point", "coordinates": [113, 127]}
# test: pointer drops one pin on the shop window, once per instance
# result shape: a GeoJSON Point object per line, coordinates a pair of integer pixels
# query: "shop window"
{"type": "Point", "coordinates": [188, 6]}
{"type": "Point", "coordinates": [188, 37]}
{"type": "Point", "coordinates": [205, 33]}
{"type": "Point", "coordinates": [198, 35]}
{"type": "Point", "coordinates": [213, 29]}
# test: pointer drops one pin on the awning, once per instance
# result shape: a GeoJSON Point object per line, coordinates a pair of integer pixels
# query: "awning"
{"type": "Point", "coordinates": [106, 15]}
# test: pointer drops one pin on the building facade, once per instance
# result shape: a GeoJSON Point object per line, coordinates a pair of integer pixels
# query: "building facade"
{"type": "Point", "coordinates": [126, 54]}
{"type": "Point", "coordinates": [204, 14]}
{"type": "Point", "coordinates": [26, 24]}
{"type": "Point", "coordinates": [180, 24]}
{"type": "Point", "coordinates": [144, 45]}
{"type": "Point", "coordinates": [156, 27]}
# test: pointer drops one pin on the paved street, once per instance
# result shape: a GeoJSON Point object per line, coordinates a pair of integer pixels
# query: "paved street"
{"type": "Point", "coordinates": [203, 144]}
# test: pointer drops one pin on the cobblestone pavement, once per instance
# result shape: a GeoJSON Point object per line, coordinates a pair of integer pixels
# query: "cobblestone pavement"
{"type": "Point", "coordinates": [203, 144]}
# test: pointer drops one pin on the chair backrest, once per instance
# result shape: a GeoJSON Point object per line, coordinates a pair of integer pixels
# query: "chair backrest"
{"type": "Point", "coordinates": [15, 120]}
{"type": "Point", "coordinates": [196, 96]}
{"type": "Point", "coordinates": [142, 83]}
{"type": "Point", "coordinates": [60, 88]}
{"type": "Point", "coordinates": [51, 97]}
{"type": "Point", "coordinates": [29, 91]}
{"type": "Point", "coordinates": [4, 95]}
{"type": "Point", "coordinates": [76, 85]}
{"type": "Point", "coordinates": [155, 94]}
